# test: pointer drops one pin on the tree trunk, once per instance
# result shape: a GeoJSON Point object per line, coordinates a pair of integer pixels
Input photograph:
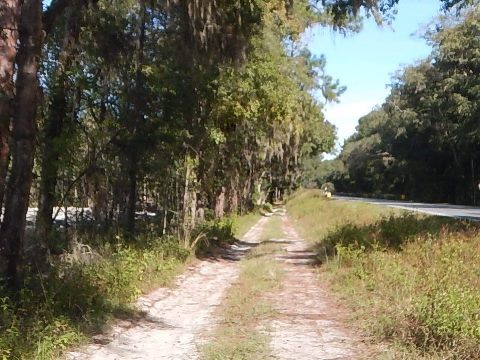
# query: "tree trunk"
{"type": "Point", "coordinates": [233, 201]}
{"type": "Point", "coordinates": [131, 193]}
{"type": "Point", "coordinates": [136, 123]}
{"type": "Point", "coordinates": [9, 14]}
{"type": "Point", "coordinates": [220, 203]}
{"type": "Point", "coordinates": [53, 129]}
{"type": "Point", "coordinates": [233, 193]}
{"type": "Point", "coordinates": [50, 166]}
{"type": "Point", "coordinates": [49, 173]}
{"type": "Point", "coordinates": [99, 197]}
{"type": "Point", "coordinates": [189, 207]}
{"type": "Point", "coordinates": [23, 145]}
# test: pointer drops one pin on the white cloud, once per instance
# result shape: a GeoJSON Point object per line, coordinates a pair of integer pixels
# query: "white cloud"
{"type": "Point", "coordinates": [345, 116]}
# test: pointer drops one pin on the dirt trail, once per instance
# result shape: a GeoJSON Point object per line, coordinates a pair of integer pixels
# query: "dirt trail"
{"type": "Point", "coordinates": [176, 319]}
{"type": "Point", "coordinates": [310, 324]}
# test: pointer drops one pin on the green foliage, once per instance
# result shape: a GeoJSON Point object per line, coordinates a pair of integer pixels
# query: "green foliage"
{"type": "Point", "coordinates": [310, 206]}
{"type": "Point", "coordinates": [52, 313]}
{"type": "Point", "coordinates": [423, 141]}
{"type": "Point", "coordinates": [446, 315]}
{"type": "Point", "coordinates": [267, 207]}
{"type": "Point", "coordinates": [145, 107]}
{"type": "Point", "coordinates": [392, 232]}
{"type": "Point", "coordinates": [212, 233]}
{"type": "Point", "coordinates": [411, 280]}
{"type": "Point", "coordinates": [271, 89]}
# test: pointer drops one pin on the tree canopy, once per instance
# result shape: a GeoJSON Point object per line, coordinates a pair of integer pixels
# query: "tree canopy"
{"type": "Point", "coordinates": [423, 142]}
{"type": "Point", "coordinates": [182, 108]}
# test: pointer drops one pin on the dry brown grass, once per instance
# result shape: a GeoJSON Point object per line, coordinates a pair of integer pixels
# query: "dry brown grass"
{"type": "Point", "coordinates": [410, 280]}
{"type": "Point", "coordinates": [238, 336]}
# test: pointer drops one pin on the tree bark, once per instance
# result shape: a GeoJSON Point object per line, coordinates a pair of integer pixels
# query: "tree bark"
{"type": "Point", "coordinates": [189, 208]}
{"type": "Point", "coordinates": [131, 194]}
{"type": "Point", "coordinates": [9, 16]}
{"type": "Point", "coordinates": [220, 203]}
{"type": "Point", "coordinates": [233, 193]}
{"type": "Point", "coordinates": [100, 200]}
{"type": "Point", "coordinates": [23, 145]}
{"type": "Point", "coordinates": [136, 123]}
{"type": "Point", "coordinates": [53, 129]}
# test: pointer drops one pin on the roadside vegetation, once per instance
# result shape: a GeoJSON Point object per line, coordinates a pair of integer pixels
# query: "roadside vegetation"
{"type": "Point", "coordinates": [80, 296]}
{"type": "Point", "coordinates": [422, 142]}
{"type": "Point", "coordinates": [411, 280]}
{"type": "Point", "coordinates": [148, 124]}
{"type": "Point", "coordinates": [94, 285]}
{"type": "Point", "coordinates": [239, 334]}
{"type": "Point", "coordinates": [157, 122]}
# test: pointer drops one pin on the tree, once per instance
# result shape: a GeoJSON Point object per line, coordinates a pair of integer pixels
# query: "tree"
{"type": "Point", "coordinates": [9, 18]}
{"type": "Point", "coordinates": [143, 102]}
{"type": "Point", "coordinates": [23, 147]}
{"type": "Point", "coordinates": [423, 142]}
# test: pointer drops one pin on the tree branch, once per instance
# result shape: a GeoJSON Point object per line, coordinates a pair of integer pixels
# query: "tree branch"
{"type": "Point", "coordinates": [53, 12]}
{"type": "Point", "coordinates": [57, 9]}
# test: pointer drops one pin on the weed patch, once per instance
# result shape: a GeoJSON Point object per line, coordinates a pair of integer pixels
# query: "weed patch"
{"type": "Point", "coordinates": [412, 280]}
{"type": "Point", "coordinates": [78, 299]}
{"type": "Point", "coordinates": [88, 288]}
{"type": "Point", "coordinates": [238, 336]}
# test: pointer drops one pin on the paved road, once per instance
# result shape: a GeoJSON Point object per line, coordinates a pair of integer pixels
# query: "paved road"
{"type": "Point", "coordinates": [455, 211]}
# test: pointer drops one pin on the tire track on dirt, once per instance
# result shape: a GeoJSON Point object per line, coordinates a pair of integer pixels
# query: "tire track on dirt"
{"type": "Point", "coordinates": [309, 324]}
{"type": "Point", "coordinates": [177, 319]}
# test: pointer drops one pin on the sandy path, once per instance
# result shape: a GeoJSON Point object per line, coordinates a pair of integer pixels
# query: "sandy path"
{"type": "Point", "coordinates": [176, 320]}
{"type": "Point", "coordinates": [310, 324]}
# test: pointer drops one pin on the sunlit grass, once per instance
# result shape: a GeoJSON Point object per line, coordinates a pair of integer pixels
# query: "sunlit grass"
{"type": "Point", "coordinates": [273, 229]}
{"type": "Point", "coordinates": [316, 216]}
{"type": "Point", "coordinates": [243, 223]}
{"type": "Point", "coordinates": [79, 299]}
{"type": "Point", "coordinates": [411, 280]}
{"type": "Point", "coordinates": [239, 335]}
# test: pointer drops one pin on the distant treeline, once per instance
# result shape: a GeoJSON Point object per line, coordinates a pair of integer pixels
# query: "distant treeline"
{"type": "Point", "coordinates": [424, 141]}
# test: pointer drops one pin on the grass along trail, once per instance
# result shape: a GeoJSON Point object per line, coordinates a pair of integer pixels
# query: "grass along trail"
{"type": "Point", "coordinates": [174, 320]}
{"type": "Point", "coordinates": [308, 324]}
{"type": "Point", "coordinates": [410, 281]}
{"type": "Point", "coordinates": [263, 301]}
{"type": "Point", "coordinates": [238, 334]}
{"type": "Point", "coordinates": [279, 309]}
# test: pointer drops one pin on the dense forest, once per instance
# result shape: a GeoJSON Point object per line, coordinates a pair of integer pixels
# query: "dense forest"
{"type": "Point", "coordinates": [115, 111]}
{"type": "Point", "coordinates": [125, 124]}
{"type": "Point", "coordinates": [182, 109]}
{"type": "Point", "coordinates": [422, 143]}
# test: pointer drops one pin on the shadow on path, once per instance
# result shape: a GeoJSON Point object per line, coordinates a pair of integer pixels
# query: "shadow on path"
{"type": "Point", "coordinates": [309, 324]}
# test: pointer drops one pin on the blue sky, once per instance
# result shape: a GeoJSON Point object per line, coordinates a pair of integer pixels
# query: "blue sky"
{"type": "Point", "coordinates": [365, 62]}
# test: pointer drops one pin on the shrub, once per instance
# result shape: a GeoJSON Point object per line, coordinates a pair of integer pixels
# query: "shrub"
{"type": "Point", "coordinates": [328, 187]}
{"type": "Point", "coordinates": [410, 279]}
{"type": "Point", "coordinates": [267, 207]}
{"type": "Point", "coordinates": [389, 232]}
{"type": "Point", "coordinates": [53, 312]}
{"type": "Point", "coordinates": [213, 232]}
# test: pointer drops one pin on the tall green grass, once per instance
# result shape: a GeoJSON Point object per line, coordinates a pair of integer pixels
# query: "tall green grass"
{"type": "Point", "coordinates": [83, 293]}
{"type": "Point", "coordinates": [411, 280]}
{"type": "Point", "coordinates": [313, 212]}
{"type": "Point", "coordinates": [52, 312]}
